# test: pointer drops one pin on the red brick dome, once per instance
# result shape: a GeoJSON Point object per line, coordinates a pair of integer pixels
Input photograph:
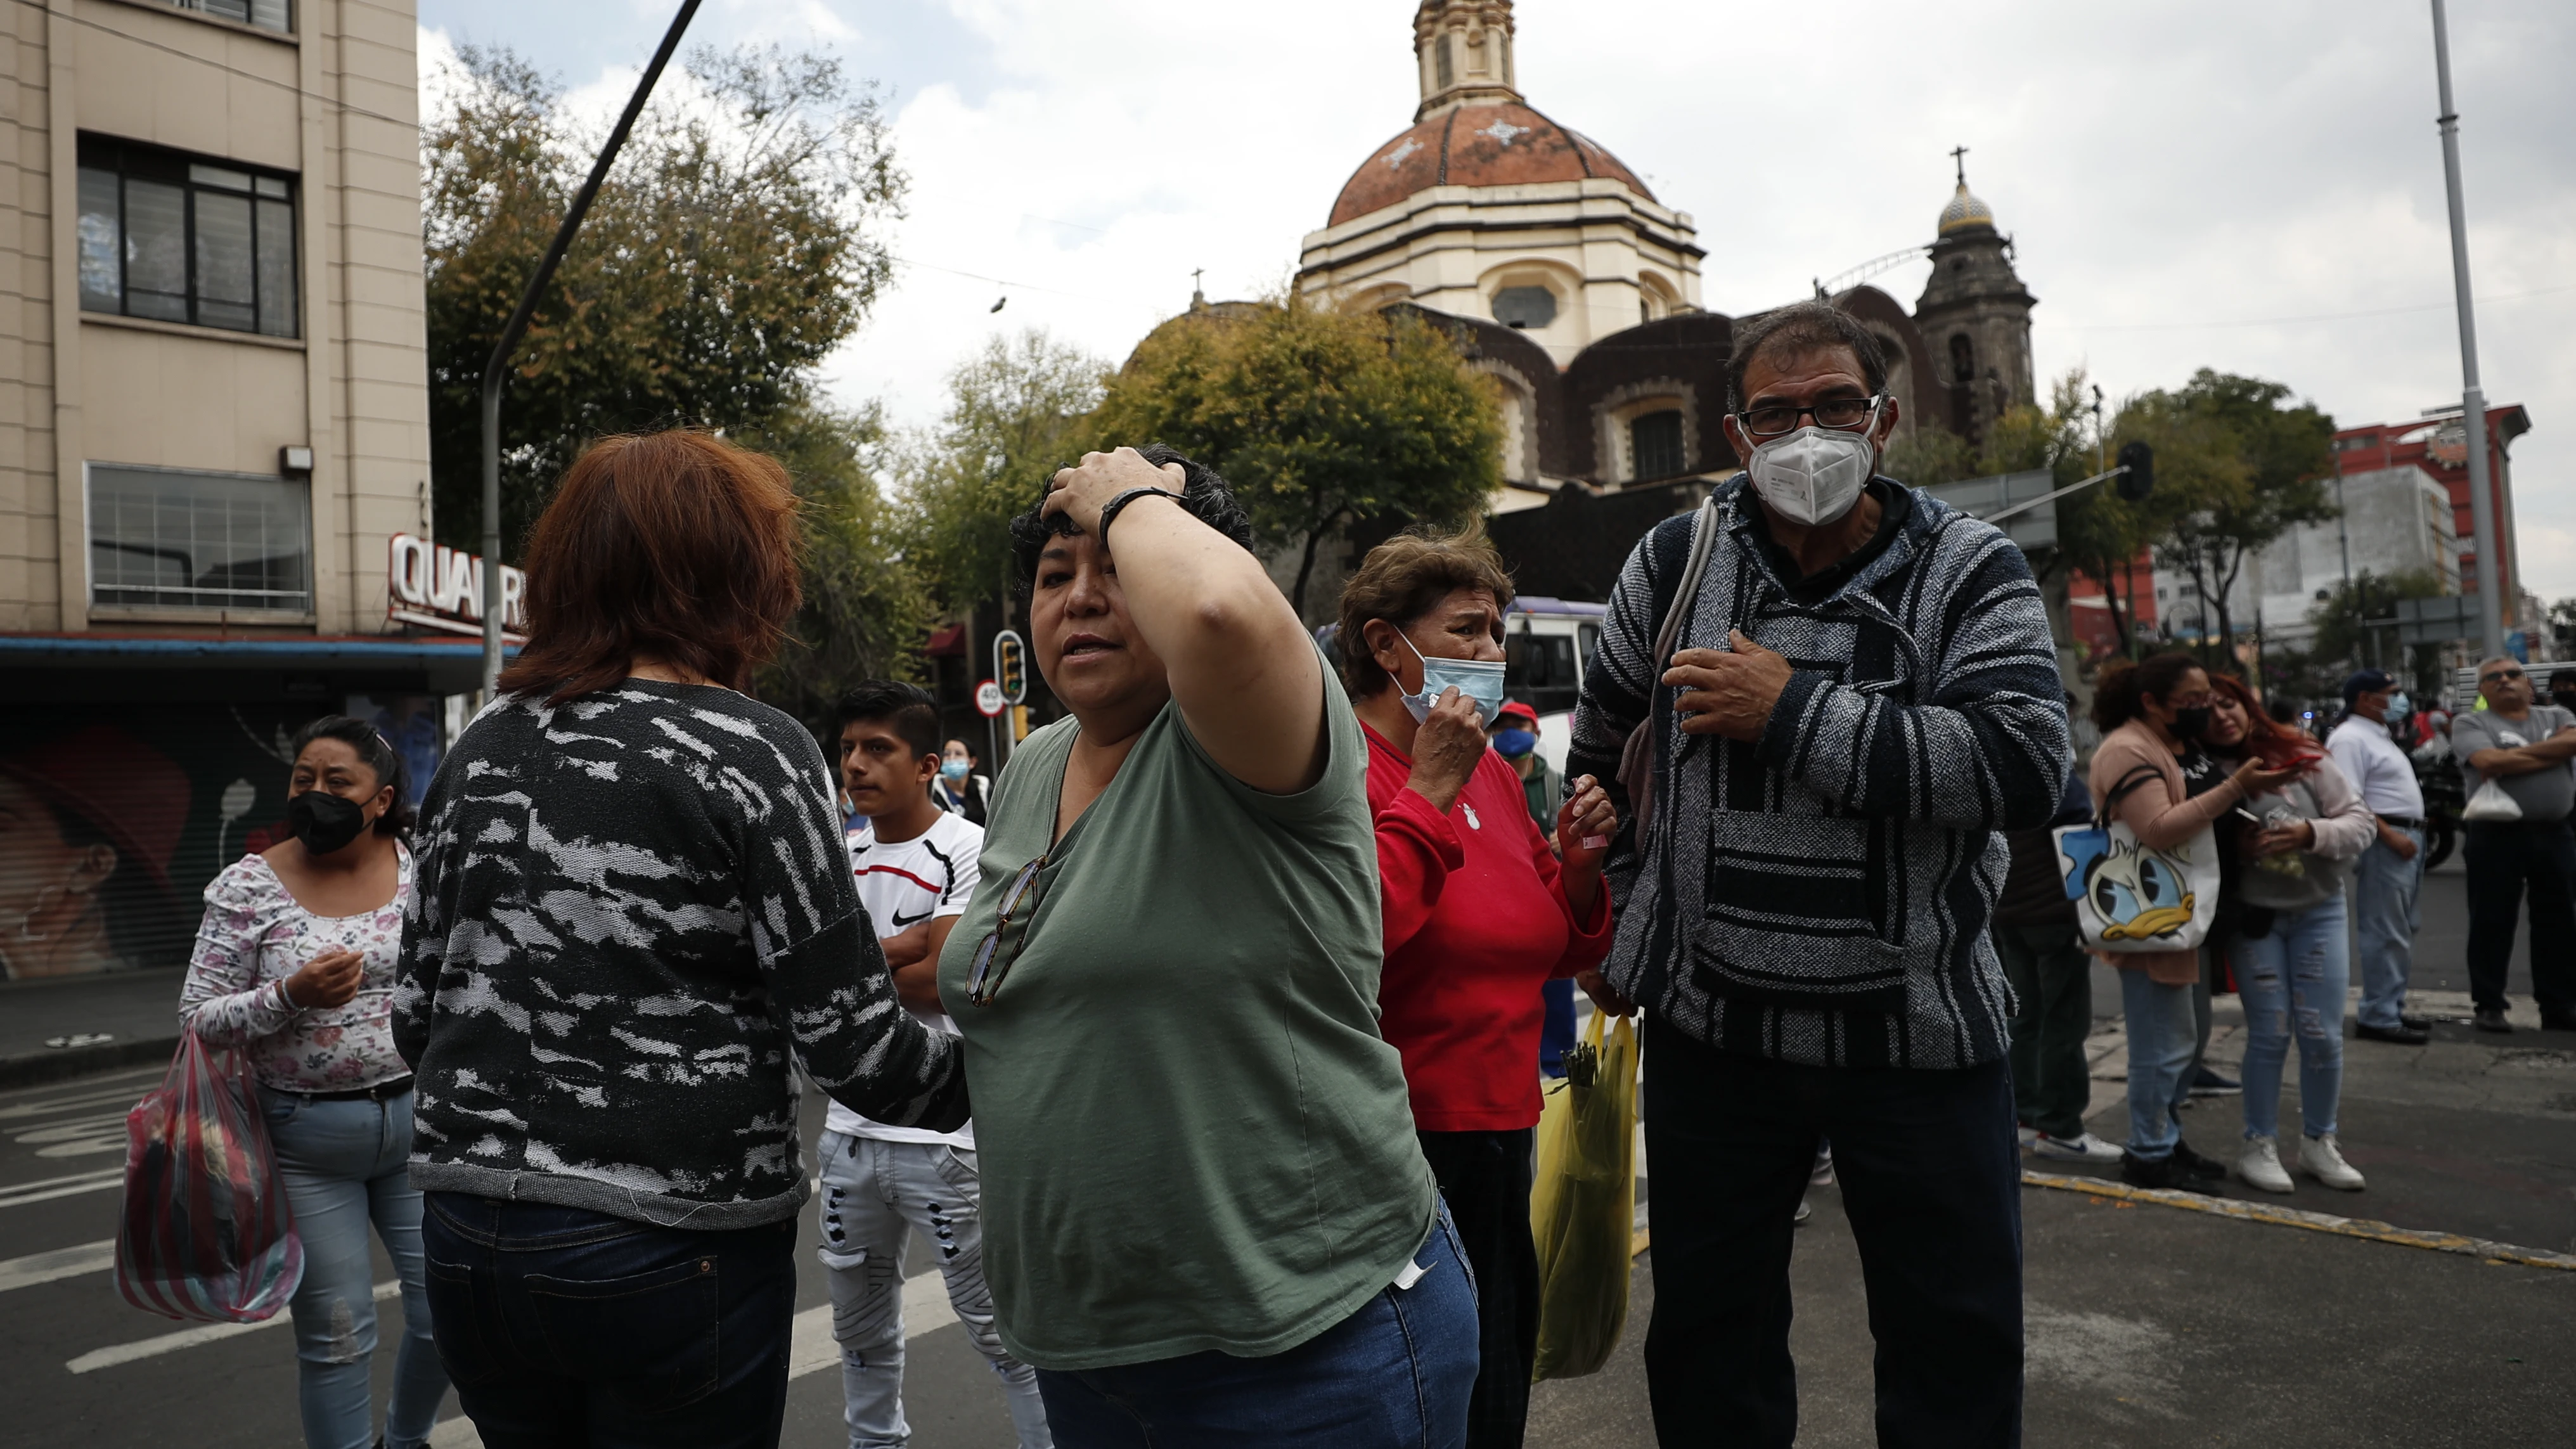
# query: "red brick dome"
{"type": "Point", "coordinates": [1493, 143]}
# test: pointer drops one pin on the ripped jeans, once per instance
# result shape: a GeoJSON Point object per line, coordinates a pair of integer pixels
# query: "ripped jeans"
{"type": "Point", "coordinates": [2293, 981]}
{"type": "Point", "coordinates": [875, 1193]}
{"type": "Point", "coordinates": [345, 1164]}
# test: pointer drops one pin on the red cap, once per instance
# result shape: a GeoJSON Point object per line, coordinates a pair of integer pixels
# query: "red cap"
{"type": "Point", "coordinates": [1512, 707]}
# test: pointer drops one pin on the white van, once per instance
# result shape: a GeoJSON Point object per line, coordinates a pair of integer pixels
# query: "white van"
{"type": "Point", "coordinates": [1547, 644]}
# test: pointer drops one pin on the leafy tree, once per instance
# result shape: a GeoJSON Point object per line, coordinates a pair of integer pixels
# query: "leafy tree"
{"type": "Point", "coordinates": [865, 610]}
{"type": "Point", "coordinates": [1320, 419]}
{"type": "Point", "coordinates": [728, 253]}
{"type": "Point", "coordinates": [2348, 636]}
{"type": "Point", "coordinates": [2245, 468]}
{"type": "Point", "coordinates": [2562, 628]}
{"type": "Point", "coordinates": [1017, 411]}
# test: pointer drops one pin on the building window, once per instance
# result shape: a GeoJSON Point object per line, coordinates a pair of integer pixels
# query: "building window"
{"type": "Point", "coordinates": [275, 15]}
{"type": "Point", "coordinates": [1525, 306]}
{"type": "Point", "coordinates": [166, 538]}
{"type": "Point", "coordinates": [1655, 444]}
{"type": "Point", "coordinates": [1963, 358]}
{"type": "Point", "coordinates": [1440, 63]}
{"type": "Point", "coordinates": [170, 237]}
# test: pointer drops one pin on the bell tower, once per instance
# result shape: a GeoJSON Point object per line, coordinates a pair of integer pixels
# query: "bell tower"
{"type": "Point", "coordinates": [1975, 315]}
{"type": "Point", "coordinates": [1464, 51]}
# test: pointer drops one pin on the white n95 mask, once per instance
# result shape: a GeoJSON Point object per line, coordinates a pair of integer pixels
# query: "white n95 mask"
{"type": "Point", "coordinates": [1813, 475]}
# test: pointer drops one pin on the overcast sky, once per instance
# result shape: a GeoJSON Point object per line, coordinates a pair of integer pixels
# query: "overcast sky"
{"type": "Point", "coordinates": [2255, 188]}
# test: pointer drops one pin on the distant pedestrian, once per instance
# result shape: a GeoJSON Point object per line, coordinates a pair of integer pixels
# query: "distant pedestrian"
{"type": "Point", "coordinates": [1515, 735]}
{"type": "Point", "coordinates": [633, 907]}
{"type": "Point", "coordinates": [2525, 748]}
{"type": "Point", "coordinates": [961, 788]}
{"type": "Point", "coordinates": [1863, 693]}
{"type": "Point", "coordinates": [294, 963]}
{"type": "Point", "coordinates": [915, 865]}
{"type": "Point", "coordinates": [2287, 936]}
{"type": "Point", "coordinates": [2387, 881]}
{"type": "Point", "coordinates": [2147, 710]}
{"type": "Point", "coordinates": [1478, 913]}
{"type": "Point", "coordinates": [2052, 980]}
{"type": "Point", "coordinates": [1207, 1219]}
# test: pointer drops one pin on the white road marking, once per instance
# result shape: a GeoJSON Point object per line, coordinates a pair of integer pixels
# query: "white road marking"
{"type": "Point", "coordinates": [37, 1268]}
{"type": "Point", "coordinates": [21, 1194]}
{"type": "Point", "coordinates": [120, 1100]}
{"type": "Point", "coordinates": [143, 1348]}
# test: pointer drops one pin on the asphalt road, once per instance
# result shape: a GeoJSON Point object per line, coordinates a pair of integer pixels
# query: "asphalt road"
{"type": "Point", "coordinates": [2147, 1326]}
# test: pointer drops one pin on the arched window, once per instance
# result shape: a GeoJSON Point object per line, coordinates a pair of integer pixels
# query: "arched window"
{"type": "Point", "coordinates": [1963, 358]}
{"type": "Point", "coordinates": [1655, 444]}
{"type": "Point", "coordinates": [1525, 306]}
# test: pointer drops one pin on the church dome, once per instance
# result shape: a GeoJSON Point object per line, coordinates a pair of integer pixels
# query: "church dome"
{"type": "Point", "coordinates": [1500, 143]}
{"type": "Point", "coordinates": [1965, 211]}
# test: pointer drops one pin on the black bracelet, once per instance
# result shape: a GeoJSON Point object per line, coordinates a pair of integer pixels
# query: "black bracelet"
{"type": "Point", "coordinates": [1109, 510]}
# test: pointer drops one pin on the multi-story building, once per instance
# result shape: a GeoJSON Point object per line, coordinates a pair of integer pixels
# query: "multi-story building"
{"type": "Point", "coordinates": [213, 436]}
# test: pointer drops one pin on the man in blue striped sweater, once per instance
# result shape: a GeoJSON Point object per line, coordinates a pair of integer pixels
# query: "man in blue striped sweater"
{"type": "Point", "coordinates": [1863, 694]}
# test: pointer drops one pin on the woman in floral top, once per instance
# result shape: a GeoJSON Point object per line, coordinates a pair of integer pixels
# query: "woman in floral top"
{"type": "Point", "coordinates": [293, 965]}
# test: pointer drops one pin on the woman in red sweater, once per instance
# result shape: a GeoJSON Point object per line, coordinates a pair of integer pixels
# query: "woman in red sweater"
{"type": "Point", "coordinates": [1478, 914]}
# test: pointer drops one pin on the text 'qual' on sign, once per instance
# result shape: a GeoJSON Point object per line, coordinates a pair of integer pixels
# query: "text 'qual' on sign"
{"type": "Point", "coordinates": [439, 587]}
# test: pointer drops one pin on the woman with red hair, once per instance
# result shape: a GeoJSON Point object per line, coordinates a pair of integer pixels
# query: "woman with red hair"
{"type": "Point", "coordinates": [2281, 923]}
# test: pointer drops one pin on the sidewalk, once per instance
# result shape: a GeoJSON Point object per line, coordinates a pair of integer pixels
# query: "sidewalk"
{"type": "Point", "coordinates": [126, 1018]}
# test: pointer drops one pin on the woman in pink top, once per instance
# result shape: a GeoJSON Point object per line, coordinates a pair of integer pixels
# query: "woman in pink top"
{"type": "Point", "coordinates": [2146, 711]}
{"type": "Point", "coordinates": [294, 964]}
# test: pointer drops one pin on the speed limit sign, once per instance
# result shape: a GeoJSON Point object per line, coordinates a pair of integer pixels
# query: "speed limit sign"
{"type": "Point", "coordinates": [988, 698]}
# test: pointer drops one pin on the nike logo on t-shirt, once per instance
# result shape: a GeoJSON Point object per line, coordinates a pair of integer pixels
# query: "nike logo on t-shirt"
{"type": "Point", "coordinates": [904, 922]}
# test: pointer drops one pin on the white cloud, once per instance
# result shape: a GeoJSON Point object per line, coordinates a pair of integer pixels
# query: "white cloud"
{"type": "Point", "coordinates": [2164, 168]}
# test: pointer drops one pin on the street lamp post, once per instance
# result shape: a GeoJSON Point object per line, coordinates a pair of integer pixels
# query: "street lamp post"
{"type": "Point", "coordinates": [497, 370]}
{"type": "Point", "coordinates": [2473, 402]}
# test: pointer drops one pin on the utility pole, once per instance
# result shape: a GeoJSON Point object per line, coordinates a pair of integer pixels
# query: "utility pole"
{"type": "Point", "coordinates": [2473, 401]}
{"type": "Point", "coordinates": [496, 371]}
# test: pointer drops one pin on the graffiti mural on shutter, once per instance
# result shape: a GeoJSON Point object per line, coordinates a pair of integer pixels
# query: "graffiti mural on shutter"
{"type": "Point", "coordinates": [113, 818]}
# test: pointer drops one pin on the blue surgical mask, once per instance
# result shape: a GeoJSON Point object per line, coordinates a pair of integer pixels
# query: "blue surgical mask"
{"type": "Point", "coordinates": [1480, 680]}
{"type": "Point", "coordinates": [1512, 744]}
{"type": "Point", "coordinates": [954, 770]}
{"type": "Point", "coordinates": [2400, 709]}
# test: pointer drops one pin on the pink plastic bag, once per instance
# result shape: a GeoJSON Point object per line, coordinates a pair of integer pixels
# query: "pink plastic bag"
{"type": "Point", "coordinates": [206, 1232]}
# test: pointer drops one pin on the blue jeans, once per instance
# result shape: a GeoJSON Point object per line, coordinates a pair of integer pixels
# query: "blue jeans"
{"type": "Point", "coordinates": [1396, 1374]}
{"type": "Point", "coordinates": [344, 1165]}
{"type": "Point", "coordinates": [565, 1327]}
{"type": "Point", "coordinates": [875, 1195]}
{"type": "Point", "coordinates": [2162, 1044]}
{"type": "Point", "coordinates": [2296, 975]}
{"type": "Point", "coordinates": [2385, 892]}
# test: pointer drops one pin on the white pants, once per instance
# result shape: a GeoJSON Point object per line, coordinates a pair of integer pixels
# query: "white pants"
{"type": "Point", "coordinates": [874, 1193]}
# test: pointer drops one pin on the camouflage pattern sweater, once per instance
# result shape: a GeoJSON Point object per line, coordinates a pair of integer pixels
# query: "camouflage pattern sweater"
{"type": "Point", "coordinates": [627, 910]}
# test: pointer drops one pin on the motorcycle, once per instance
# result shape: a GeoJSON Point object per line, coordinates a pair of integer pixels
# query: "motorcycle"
{"type": "Point", "coordinates": [2446, 793]}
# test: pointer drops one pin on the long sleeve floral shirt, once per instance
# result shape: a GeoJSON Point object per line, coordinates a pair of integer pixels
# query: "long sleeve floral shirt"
{"type": "Point", "coordinates": [253, 938]}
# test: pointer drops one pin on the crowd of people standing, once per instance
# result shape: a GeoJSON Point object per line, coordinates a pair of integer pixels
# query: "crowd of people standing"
{"type": "Point", "coordinates": [1256, 958]}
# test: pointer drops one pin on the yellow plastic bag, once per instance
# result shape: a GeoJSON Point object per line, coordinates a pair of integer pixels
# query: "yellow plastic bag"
{"type": "Point", "coordinates": [1583, 1205]}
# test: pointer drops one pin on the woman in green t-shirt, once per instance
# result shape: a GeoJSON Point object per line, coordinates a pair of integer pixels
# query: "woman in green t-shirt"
{"type": "Point", "coordinates": [1207, 1219]}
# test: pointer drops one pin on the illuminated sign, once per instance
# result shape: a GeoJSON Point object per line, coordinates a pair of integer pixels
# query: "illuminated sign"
{"type": "Point", "coordinates": [438, 587]}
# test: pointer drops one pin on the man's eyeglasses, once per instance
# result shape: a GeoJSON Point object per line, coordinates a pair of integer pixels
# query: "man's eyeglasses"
{"type": "Point", "coordinates": [985, 982]}
{"type": "Point", "coordinates": [2500, 674]}
{"type": "Point", "coordinates": [1844, 414]}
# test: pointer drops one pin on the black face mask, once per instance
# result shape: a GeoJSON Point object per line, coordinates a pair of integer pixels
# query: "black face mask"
{"type": "Point", "coordinates": [325, 822]}
{"type": "Point", "coordinates": [2192, 721]}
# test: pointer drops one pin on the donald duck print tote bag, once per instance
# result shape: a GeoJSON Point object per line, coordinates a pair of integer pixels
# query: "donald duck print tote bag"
{"type": "Point", "coordinates": [2130, 898]}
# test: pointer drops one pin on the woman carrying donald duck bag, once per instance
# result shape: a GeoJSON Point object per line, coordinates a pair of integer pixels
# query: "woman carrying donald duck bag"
{"type": "Point", "coordinates": [2148, 712]}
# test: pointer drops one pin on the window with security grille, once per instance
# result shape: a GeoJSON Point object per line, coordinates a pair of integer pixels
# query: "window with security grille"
{"type": "Point", "coordinates": [275, 15]}
{"type": "Point", "coordinates": [168, 538]}
{"type": "Point", "coordinates": [1655, 444]}
{"type": "Point", "coordinates": [179, 239]}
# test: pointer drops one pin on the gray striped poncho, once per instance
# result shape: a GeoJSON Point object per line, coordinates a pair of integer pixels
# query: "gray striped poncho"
{"type": "Point", "coordinates": [1821, 895]}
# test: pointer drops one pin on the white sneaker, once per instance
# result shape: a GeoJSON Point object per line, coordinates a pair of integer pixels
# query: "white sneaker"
{"type": "Point", "coordinates": [2320, 1158]}
{"type": "Point", "coordinates": [2029, 1135]}
{"type": "Point", "coordinates": [2082, 1147]}
{"type": "Point", "coordinates": [2260, 1165]}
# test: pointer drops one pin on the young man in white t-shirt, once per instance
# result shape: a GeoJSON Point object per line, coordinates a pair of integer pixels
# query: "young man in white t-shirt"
{"type": "Point", "coordinates": [915, 865]}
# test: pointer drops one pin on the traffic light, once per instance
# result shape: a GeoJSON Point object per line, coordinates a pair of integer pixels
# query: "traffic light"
{"type": "Point", "coordinates": [2140, 480]}
{"type": "Point", "coordinates": [1011, 666]}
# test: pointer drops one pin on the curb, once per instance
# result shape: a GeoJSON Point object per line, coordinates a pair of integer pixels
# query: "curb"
{"type": "Point", "coordinates": [37, 1069]}
{"type": "Point", "coordinates": [2287, 1217]}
